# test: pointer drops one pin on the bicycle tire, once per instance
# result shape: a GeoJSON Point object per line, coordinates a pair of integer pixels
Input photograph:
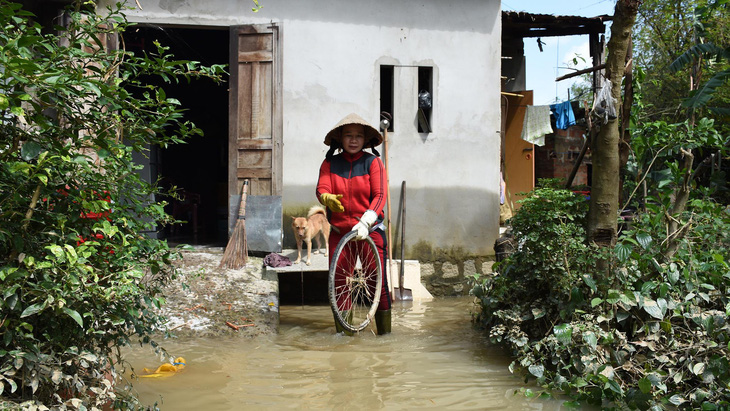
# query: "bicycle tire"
{"type": "Point", "coordinates": [357, 265]}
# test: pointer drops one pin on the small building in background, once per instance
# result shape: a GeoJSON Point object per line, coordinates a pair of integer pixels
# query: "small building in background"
{"type": "Point", "coordinates": [560, 147]}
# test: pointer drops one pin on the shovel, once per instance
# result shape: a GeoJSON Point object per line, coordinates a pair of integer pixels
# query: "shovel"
{"type": "Point", "coordinates": [384, 124]}
{"type": "Point", "coordinates": [401, 293]}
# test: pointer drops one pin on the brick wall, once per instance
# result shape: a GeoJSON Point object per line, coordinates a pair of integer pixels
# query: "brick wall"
{"type": "Point", "coordinates": [556, 158]}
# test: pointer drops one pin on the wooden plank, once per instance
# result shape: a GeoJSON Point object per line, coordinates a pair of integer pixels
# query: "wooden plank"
{"type": "Point", "coordinates": [255, 116]}
{"type": "Point", "coordinates": [245, 90]}
{"type": "Point", "coordinates": [254, 173]}
{"type": "Point", "coordinates": [553, 31]}
{"type": "Point", "coordinates": [263, 186]}
{"type": "Point", "coordinates": [260, 40]}
{"type": "Point", "coordinates": [277, 119]}
{"type": "Point", "coordinates": [256, 102]}
{"type": "Point", "coordinates": [234, 187]}
{"type": "Point", "coordinates": [255, 56]}
{"type": "Point", "coordinates": [255, 144]}
{"type": "Point", "coordinates": [254, 159]}
{"type": "Point", "coordinates": [263, 100]}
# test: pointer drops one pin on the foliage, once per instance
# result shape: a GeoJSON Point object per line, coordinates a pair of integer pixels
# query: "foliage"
{"type": "Point", "coordinates": [656, 157]}
{"type": "Point", "coordinates": [652, 335]}
{"type": "Point", "coordinates": [675, 34]}
{"type": "Point", "coordinates": [79, 279]}
{"type": "Point", "coordinates": [581, 88]}
{"type": "Point", "coordinates": [643, 325]}
{"type": "Point", "coordinates": [546, 270]}
{"type": "Point", "coordinates": [675, 312]}
{"type": "Point", "coordinates": [712, 53]}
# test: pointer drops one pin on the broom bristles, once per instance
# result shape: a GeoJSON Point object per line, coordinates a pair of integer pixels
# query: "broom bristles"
{"type": "Point", "coordinates": [236, 253]}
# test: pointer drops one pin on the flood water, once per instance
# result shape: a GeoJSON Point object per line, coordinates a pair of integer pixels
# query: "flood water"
{"type": "Point", "coordinates": [433, 359]}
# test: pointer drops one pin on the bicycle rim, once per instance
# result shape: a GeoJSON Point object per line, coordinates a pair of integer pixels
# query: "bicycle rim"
{"type": "Point", "coordinates": [355, 282]}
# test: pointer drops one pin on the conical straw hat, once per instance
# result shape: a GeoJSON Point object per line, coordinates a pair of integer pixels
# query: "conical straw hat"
{"type": "Point", "coordinates": [372, 136]}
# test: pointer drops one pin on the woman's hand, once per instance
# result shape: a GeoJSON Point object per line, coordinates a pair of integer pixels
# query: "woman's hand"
{"type": "Point", "coordinates": [332, 201]}
{"type": "Point", "coordinates": [363, 227]}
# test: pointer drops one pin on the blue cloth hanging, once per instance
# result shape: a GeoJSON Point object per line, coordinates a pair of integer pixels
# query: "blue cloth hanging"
{"type": "Point", "coordinates": [563, 113]}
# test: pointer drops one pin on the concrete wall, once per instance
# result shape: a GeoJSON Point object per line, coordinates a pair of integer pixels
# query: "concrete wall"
{"type": "Point", "coordinates": [332, 53]}
{"type": "Point", "coordinates": [452, 279]}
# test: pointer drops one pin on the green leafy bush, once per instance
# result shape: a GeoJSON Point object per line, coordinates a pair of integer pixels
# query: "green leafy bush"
{"type": "Point", "coordinates": [79, 279]}
{"type": "Point", "coordinates": [676, 311]}
{"type": "Point", "coordinates": [547, 270]}
{"type": "Point", "coordinates": [642, 326]}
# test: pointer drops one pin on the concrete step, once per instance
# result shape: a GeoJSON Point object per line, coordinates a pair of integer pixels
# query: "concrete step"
{"type": "Point", "coordinates": [411, 272]}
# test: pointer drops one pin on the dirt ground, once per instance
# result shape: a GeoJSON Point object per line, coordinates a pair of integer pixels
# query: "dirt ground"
{"type": "Point", "coordinates": [207, 301]}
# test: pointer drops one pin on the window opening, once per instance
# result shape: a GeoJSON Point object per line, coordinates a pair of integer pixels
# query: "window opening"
{"type": "Point", "coordinates": [387, 91]}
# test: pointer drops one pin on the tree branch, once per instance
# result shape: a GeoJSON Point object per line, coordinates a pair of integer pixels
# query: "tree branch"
{"type": "Point", "coordinates": [584, 71]}
{"type": "Point", "coordinates": [679, 206]}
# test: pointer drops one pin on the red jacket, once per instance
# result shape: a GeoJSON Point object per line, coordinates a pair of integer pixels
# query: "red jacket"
{"type": "Point", "coordinates": [360, 178]}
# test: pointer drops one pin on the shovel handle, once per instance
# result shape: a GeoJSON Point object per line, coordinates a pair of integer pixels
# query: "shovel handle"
{"type": "Point", "coordinates": [402, 234]}
{"type": "Point", "coordinates": [387, 193]}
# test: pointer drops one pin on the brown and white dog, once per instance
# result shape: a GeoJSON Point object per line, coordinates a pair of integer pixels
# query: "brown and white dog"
{"type": "Point", "coordinates": [306, 229]}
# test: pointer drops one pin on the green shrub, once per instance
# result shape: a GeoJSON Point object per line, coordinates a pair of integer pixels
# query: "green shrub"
{"type": "Point", "coordinates": [650, 330]}
{"type": "Point", "coordinates": [548, 269]}
{"type": "Point", "coordinates": [675, 311]}
{"type": "Point", "coordinates": [78, 279]}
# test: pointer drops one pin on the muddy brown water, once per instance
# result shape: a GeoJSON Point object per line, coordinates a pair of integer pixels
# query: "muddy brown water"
{"type": "Point", "coordinates": [434, 359]}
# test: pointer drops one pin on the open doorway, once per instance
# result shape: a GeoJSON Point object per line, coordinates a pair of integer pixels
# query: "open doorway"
{"type": "Point", "coordinates": [198, 168]}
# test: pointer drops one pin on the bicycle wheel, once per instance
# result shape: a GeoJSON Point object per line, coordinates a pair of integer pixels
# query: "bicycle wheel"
{"type": "Point", "coordinates": [355, 282]}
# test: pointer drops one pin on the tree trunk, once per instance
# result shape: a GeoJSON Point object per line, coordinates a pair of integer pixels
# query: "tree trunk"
{"type": "Point", "coordinates": [625, 134]}
{"type": "Point", "coordinates": [603, 214]}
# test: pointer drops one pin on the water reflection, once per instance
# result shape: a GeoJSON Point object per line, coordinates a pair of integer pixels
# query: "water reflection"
{"type": "Point", "coordinates": [433, 359]}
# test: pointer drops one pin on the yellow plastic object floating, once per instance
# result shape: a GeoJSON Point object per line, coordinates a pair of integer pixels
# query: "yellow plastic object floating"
{"type": "Point", "coordinates": [165, 370]}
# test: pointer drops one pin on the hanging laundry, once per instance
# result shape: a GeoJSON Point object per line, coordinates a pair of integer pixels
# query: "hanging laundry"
{"type": "Point", "coordinates": [502, 188]}
{"type": "Point", "coordinates": [536, 124]}
{"type": "Point", "coordinates": [563, 113]}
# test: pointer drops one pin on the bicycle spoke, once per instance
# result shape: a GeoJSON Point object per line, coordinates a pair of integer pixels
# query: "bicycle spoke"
{"type": "Point", "coordinates": [355, 281]}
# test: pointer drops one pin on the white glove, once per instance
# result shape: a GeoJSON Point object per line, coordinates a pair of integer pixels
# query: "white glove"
{"type": "Point", "coordinates": [363, 227]}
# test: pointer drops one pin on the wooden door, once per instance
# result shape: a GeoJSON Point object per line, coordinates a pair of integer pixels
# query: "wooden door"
{"type": "Point", "coordinates": [519, 160]}
{"type": "Point", "coordinates": [255, 110]}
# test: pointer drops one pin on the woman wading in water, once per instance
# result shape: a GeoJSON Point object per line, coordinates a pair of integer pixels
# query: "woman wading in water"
{"type": "Point", "coordinates": [352, 187]}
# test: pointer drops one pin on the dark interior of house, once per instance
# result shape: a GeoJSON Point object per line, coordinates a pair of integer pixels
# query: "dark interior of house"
{"type": "Point", "coordinates": [197, 168]}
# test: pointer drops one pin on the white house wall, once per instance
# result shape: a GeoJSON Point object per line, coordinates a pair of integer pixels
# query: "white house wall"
{"type": "Point", "coordinates": [332, 52]}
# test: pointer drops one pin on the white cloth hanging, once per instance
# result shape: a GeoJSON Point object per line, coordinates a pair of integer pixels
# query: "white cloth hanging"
{"type": "Point", "coordinates": [536, 125]}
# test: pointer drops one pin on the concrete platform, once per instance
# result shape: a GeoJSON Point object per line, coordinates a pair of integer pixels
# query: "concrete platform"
{"type": "Point", "coordinates": [319, 262]}
{"type": "Point", "coordinates": [411, 279]}
{"type": "Point", "coordinates": [411, 273]}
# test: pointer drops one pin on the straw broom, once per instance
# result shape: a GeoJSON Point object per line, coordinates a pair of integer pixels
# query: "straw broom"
{"type": "Point", "coordinates": [236, 252]}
